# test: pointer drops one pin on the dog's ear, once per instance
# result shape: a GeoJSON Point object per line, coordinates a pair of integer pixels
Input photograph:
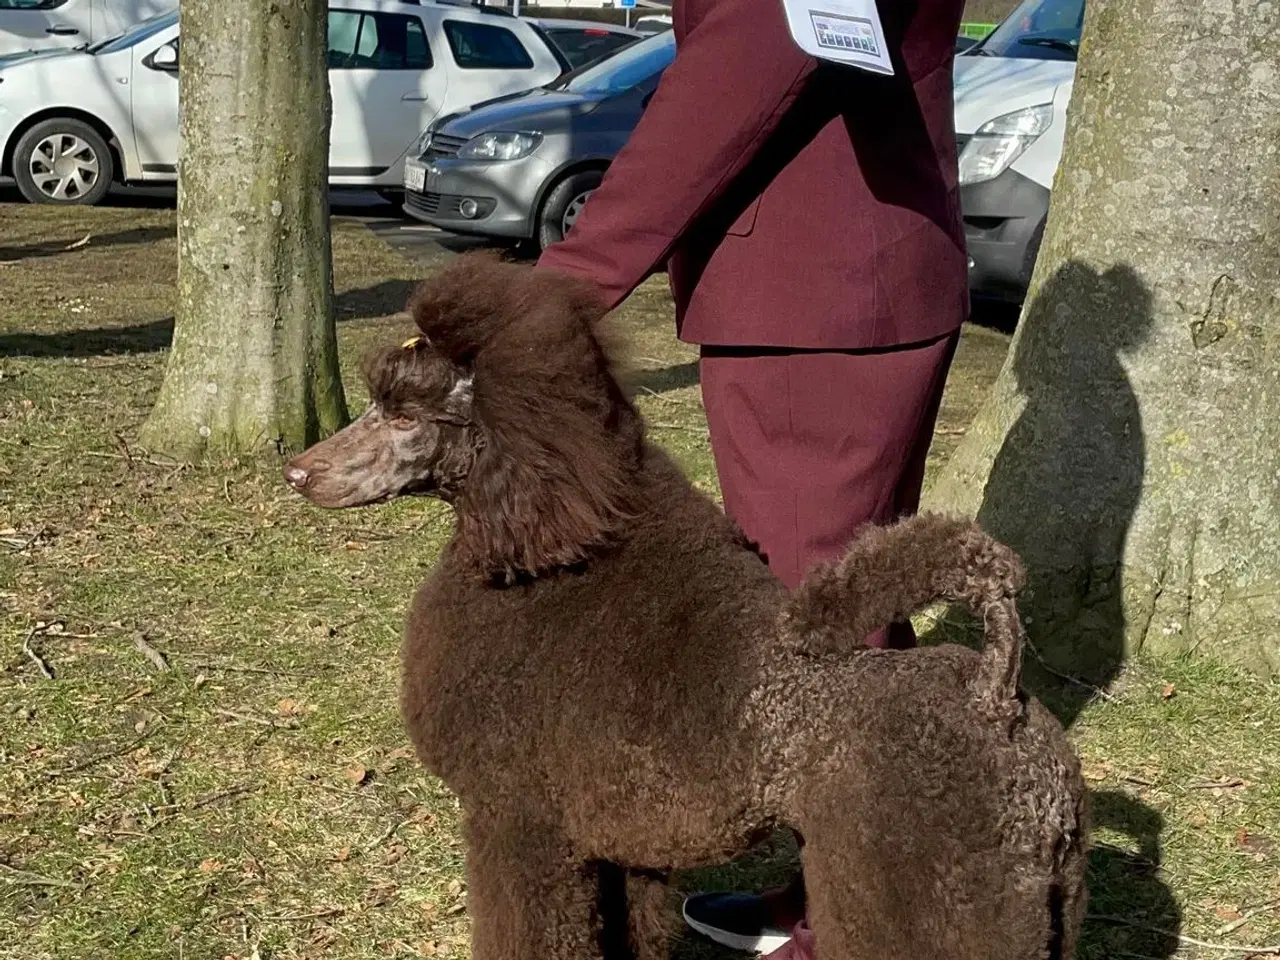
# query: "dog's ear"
{"type": "Point", "coordinates": [526, 515]}
{"type": "Point", "coordinates": [555, 478]}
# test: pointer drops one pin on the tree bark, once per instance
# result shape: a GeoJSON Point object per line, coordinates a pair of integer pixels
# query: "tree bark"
{"type": "Point", "coordinates": [1130, 449]}
{"type": "Point", "coordinates": [254, 363]}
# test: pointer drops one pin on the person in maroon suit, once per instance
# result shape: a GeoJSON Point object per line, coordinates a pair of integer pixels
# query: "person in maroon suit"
{"type": "Point", "coordinates": [808, 217]}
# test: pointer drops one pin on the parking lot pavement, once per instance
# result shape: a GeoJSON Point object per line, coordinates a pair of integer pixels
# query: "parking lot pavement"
{"type": "Point", "coordinates": [422, 243]}
{"type": "Point", "coordinates": [412, 239]}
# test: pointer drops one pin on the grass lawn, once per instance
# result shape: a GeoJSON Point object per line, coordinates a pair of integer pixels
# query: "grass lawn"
{"type": "Point", "coordinates": [215, 767]}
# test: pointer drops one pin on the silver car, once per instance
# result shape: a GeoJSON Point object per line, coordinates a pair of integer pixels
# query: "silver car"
{"type": "Point", "coordinates": [521, 167]}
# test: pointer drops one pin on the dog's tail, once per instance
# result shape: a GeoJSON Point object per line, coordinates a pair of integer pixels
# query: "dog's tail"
{"type": "Point", "coordinates": [892, 572]}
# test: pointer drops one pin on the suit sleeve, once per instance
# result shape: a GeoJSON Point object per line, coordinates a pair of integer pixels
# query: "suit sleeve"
{"type": "Point", "coordinates": [734, 77]}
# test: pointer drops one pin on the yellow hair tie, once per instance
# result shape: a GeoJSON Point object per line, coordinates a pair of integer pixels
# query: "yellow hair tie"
{"type": "Point", "coordinates": [410, 343]}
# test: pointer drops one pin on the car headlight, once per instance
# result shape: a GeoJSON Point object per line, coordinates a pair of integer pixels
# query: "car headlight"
{"type": "Point", "coordinates": [500, 146]}
{"type": "Point", "coordinates": [1001, 141]}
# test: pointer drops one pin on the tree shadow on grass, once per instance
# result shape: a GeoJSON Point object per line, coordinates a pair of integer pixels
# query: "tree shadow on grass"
{"type": "Point", "coordinates": [121, 238]}
{"type": "Point", "coordinates": [382, 299]}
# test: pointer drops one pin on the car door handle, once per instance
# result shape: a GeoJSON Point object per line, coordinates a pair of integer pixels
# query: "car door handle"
{"type": "Point", "coordinates": [414, 98]}
{"type": "Point", "coordinates": [62, 31]}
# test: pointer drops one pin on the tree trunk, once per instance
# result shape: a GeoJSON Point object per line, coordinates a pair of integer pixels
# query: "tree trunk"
{"type": "Point", "coordinates": [254, 364]}
{"type": "Point", "coordinates": [1130, 449]}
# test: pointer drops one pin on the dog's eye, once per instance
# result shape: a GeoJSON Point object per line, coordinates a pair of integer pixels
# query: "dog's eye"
{"type": "Point", "coordinates": [403, 423]}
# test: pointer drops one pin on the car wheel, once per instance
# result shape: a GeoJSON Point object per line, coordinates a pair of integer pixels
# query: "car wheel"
{"type": "Point", "coordinates": [563, 205]}
{"type": "Point", "coordinates": [63, 161]}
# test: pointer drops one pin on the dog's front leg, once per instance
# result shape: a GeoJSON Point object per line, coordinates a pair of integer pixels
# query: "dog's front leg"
{"type": "Point", "coordinates": [528, 896]}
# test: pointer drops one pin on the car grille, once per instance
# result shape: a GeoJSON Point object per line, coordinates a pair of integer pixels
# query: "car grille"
{"type": "Point", "coordinates": [428, 203]}
{"type": "Point", "coordinates": [442, 146]}
{"type": "Point", "coordinates": [445, 205]}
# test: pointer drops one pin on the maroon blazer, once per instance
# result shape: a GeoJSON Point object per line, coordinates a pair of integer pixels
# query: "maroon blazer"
{"type": "Point", "coordinates": [796, 203]}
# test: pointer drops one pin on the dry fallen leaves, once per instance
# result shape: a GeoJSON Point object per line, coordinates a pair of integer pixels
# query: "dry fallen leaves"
{"type": "Point", "coordinates": [1259, 845]}
{"type": "Point", "coordinates": [1226, 913]}
{"type": "Point", "coordinates": [357, 775]}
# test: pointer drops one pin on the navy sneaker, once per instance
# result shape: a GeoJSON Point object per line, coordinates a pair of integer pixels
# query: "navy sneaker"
{"type": "Point", "coordinates": [739, 921]}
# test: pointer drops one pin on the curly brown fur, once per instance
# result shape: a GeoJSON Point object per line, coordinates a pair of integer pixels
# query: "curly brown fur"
{"type": "Point", "coordinates": [635, 693]}
{"type": "Point", "coordinates": [553, 482]}
{"type": "Point", "coordinates": [891, 572]}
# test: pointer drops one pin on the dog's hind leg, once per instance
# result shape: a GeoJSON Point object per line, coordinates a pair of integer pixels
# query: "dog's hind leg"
{"type": "Point", "coordinates": [889, 885]}
{"type": "Point", "coordinates": [650, 916]}
{"type": "Point", "coordinates": [1074, 896]}
{"type": "Point", "coordinates": [528, 897]}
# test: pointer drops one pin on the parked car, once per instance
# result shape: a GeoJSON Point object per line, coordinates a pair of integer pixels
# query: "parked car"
{"type": "Point", "coordinates": [1011, 94]}
{"type": "Point", "coordinates": [522, 167]}
{"type": "Point", "coordinates": [653, 23]}
{"type": "Point", "coordinates": [581, 41]}
{"type": "Point", "coordinates": [73, 122]}
{"type": "Point", "coordinates": [41, 24]}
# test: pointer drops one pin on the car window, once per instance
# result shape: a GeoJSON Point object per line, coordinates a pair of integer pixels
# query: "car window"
{"type": "Point", "coordinates": [31, 4]}
{"type": "Point", "coordinates": [581, 45]}
{"type": "Point", "coordinates": [136, 34]}
{"type": "Point", "coordinates": [376, 41]}
{"type": "Point", "coordinates": [625, 69]}
{"type": "Point", "coordinates": [1037, 30]}
{"type": "Point", "coordinates": [482, 46]}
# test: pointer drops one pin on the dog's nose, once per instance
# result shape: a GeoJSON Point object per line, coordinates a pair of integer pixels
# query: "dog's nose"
{"type": "Point", "coordinates": [295, 476]}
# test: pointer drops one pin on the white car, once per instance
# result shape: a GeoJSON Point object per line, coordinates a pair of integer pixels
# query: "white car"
{"type": "Point", "coordinates": [73, 122]}
{"type": "Point", "coordinates": [38, 24]}
{"type": "Point", "coordinates": [1012, 91]}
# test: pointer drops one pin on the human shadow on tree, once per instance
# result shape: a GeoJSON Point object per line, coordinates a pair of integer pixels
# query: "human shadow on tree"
{"type": "Point", "coordinates": [1065, 484]}
{"type": "Point", "coordinates": [1062, 491]}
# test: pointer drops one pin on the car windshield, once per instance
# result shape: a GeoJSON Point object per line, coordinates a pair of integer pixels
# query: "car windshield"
{"type": "Point", "coordinates": [621, 71]}
{"type": "Point", "coordinates": [135, 34]}
{"type": "Point", "coordinates": [584, 45]}
{"type": "Point", "coordinates": [1037, 30]}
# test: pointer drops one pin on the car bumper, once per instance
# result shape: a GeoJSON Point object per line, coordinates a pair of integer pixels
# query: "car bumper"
{"type": "Point", "coordinates": [1003, 223]}
{"type": "Point", "coordinates": [484, 198]}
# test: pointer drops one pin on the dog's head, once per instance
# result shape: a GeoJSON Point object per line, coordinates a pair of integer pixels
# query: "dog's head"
{"type": "Point", "coordinates": [417, 436]}
{"type": "Point", "coordinates": [507, 407]}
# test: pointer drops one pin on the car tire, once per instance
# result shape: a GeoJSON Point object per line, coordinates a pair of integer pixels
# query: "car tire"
{"type": "Point", "coordinates": [63, 161]}
{"type": "Point", "coordinates": [564, 203]}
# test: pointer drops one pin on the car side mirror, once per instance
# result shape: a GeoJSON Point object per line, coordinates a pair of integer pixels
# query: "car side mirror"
{"type": "Point", "coordinates": [166, 59]}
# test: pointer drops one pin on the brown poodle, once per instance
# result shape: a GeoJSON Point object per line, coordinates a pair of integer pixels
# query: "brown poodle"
{"type": "Point", "coordinates": [614, 685]}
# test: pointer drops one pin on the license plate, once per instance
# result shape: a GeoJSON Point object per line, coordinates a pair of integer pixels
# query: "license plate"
{"type": "Point", "coordinates": [415, 176]}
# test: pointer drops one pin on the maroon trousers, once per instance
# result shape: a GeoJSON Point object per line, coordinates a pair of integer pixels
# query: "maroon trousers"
{"type": "Point", "coordinates": [811, 445]}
